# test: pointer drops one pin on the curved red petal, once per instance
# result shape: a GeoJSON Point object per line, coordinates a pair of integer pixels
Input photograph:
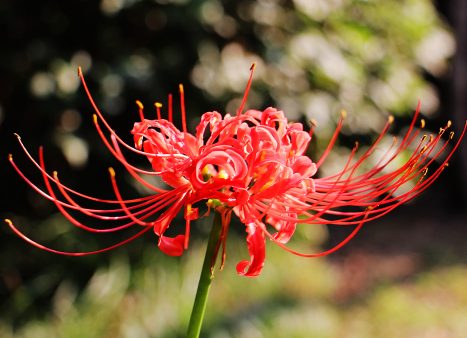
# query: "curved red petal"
{"type": "Point", "coordinates": [257, 250]}
{"type": "Point", "coordinates": [172, 246]}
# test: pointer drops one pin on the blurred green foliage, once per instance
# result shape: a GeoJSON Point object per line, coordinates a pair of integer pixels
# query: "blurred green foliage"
{"type": "Point", "coordinates": [293, 297]}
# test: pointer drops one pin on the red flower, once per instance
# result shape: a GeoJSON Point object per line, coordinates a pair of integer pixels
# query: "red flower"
{"type": "Point", "coordinates": [254, 164]}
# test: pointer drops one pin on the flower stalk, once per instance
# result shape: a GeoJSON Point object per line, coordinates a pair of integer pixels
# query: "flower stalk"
{"type": "Point", "coordinates": [197, 314]}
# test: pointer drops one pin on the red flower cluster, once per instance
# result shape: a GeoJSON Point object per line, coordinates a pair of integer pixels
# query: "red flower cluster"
{"type": "Point", "coordinates": [253, 164]}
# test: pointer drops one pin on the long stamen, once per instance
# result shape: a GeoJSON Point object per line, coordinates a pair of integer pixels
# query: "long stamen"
{"type": "Point", "coordinates": [170, 108]}
{"type": "Point", "coordinates": [333, 139]}
{"type": "Point", "coordinates": [312, 128]}
{"type": "Point", "coordinates": [252, 69]}
{"type": "Point", "coordinates": [107, 125]}
{"type": "Point", "coordinates": [352, 234]}
{"type": "Point", "coordinates": [158, 108]}
{"type": "Point", "coordinates": [182, 102]}
{"type": "Point", "coordinates": [141, 107]}
{"type": "Point", "coordinates": [69, 189]}
{"type": "Point", "coordinates": [117, 153]}
{"type": "Point", "coordinates": [40, 246]}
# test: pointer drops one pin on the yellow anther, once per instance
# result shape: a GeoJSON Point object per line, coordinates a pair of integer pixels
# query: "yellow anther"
{"type": "Point", "coordinates": [206, 174]}
{"type": "Point", "coordinates": [343, 114]}
{"type": "Point", "coordinates": [205, 171]}
{"type": "Point", "coordinates": [267, 185]}
{"type": "Point", "coordinates": [431, 138]}
{"type": "Point", "coordinates": [425, 171]}
{"type": "Point", "coordinates": [441, 131]}
{"type": "Point", "coordinates": [8, 221]}
{"type": "Point", "coordinates": [80, 71]}
{"type": "Point", "coordinates": [112, 172]}
{"type": "Point", "coordinates": [422, 123]}
{"type": "Point", "coordinates": [19, 137]}
{"type": "Point", "coordinates": [94, 117]}
{"type": "Point", "coordinates": [180, 86]}
{"type": "Point", "coordinates": [313, 122]}
{"type": "Point", "coordinates": [446, 164]}
{"type": "Point", "coordinates": [395, 140]}
{"type": "Point", "coordinates": [448, 124]}
{"type": "Point", "coordinates": [356, 145]}
{"type": "Point", "coordinates": [390, 119]}
{"type": "Point", "coordinates": [424, 138]}
{"type": "Point", "coordinates": [451, 135]}
{"type": "Point", "coordinates": [55, 174]}
{"type": "Point", "coordinates": [253, 66]}
{"type": "Point", "coordinates": [10, 157]}
{"type": "Point", "coordinates": [188, 208]}
{"type": "Point", "coordinates": [140, 105]}
{"type": "Point", "coordinates": [223, 174]}
{"type": "Point", "coordinates": [423, 150]}
{"type": "Point", "coordinates": [369, 208]}
{"type": "Point", "coordinates": [158, 105]}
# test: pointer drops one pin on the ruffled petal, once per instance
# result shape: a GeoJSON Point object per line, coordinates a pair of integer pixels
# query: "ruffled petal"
{"type": "Point", "coordinates": [257, 250]}
{"type": "Point", "coordinates": [172, 246]}
{"type": "Point", "coordinates": [286, 232]}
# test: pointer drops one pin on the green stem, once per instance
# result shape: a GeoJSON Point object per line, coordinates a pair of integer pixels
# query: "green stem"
{"type": "Point", "coordinates": [197, 314]}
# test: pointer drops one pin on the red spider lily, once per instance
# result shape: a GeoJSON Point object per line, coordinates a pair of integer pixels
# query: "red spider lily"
{"type": "Point", "coordinates": [254, 164]}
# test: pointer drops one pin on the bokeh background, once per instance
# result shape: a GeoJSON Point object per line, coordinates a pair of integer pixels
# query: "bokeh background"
{"type": "Point", "coordinates": [403, 275]}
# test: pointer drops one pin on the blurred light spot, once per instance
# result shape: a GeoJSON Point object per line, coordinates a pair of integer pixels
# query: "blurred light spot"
{"type": "Point", "coordinates": [317, 234]}
{"type": "Point", "coordinates": [317, 9]}
{"type": "Point", "coordinates": [81, 59]}
{"type": "Point", "coordinates": [63, 298]}
{"type": "Point", "coordinates": [244, 10]}
{"type": "Point", "coordinates": [350, 94]}
{"type": "Point", "coordinates": [373, 50]}
{"type": "Point", "coordinates": [134, 330]}
{"type": "Point", "coordinates": [110, 7]}
{"type": "Point", "coordinates": [67, 79]}
{"type": "Point", "coordinates": [274, 36]}
{"type": "Point", "coordinates": [382, 93]}
{"type": "Point", "coordinates": [140, 64]}
{"type": "Point", "coordinates": [290, 106]}
{"type": "Point", "coordinates": [112, 85]}
{"type": "Point", "coordinates": [208, 52]}
{"type": "Point", "coordinates": [155, 19]}
{"type": "Point", "coordinates": [268, 13]}
{"type": "Point", "coordinates": [228, 71]}
{"type": "Point", "coordinates": [318, 106]}
{"type": "Point", "coordinates": [236, 66]}
{"type": "Point", "coordinates": [248, 329]}
{"type": "Point", "coordinates": [74, 149]}
{"type": "Point", "coordinates": [70, 120]}
{"type": "Point", "coordinates": [42, 84]}
{"type": "Point", "coordinates": [429, 100]}
{"type": "Point", "coordinates": [212, 12]}
{"type": "Point", "coordinates": [227, 27]}
{"type": "Point", "coordinates": [314, 47]}
{"type": "Point", "coordinates": [434, 49]}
